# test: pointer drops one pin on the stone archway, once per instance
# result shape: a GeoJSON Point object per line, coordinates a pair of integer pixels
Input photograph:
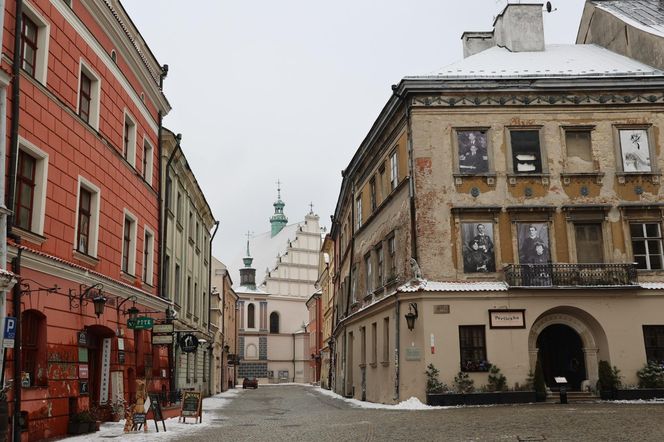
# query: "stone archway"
{"type": "Point", "coordinates": [588, 340]}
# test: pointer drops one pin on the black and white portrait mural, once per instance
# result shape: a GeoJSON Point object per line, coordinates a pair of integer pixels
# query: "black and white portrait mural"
{"type": "Point", "coordinates": [533, 241]}
{"type": "Point", "coordinates": [635, 150]}
{"type": "Point", "coordinates": [473, 154]}
{"type": "Point", "coordinates": [478, 250]}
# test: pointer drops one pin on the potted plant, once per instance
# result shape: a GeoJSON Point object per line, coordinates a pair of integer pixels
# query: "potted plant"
{"type": "Point", "coordinates": [539, 384]}
{"type": "Point", "coordinates": [609, 380]}
{"type": "Point", "coordinates": [81, 423]}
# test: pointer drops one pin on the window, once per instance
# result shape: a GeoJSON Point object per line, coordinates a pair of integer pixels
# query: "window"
{"type": "Point", "coordinates": [197, 233]}
{"type": "Point", "coordinates": [386, 340]}
{"type": "Point", "coordinates": [372, 186]}
{"type": "Point", "coordinates": [88, 96]}
{"type": "Point", "coordinates": [381, 182]}
{"type": "Point", "coordinates": [353, 285]}
{"type": "Point", "coordinates": [369, 273]}
{"type": "Point", "coordinates": [129, 245]}
{"type": "Point", "coordinates": [177, 284]}
{"type": "Point", "coordinates": [251, 316]}
{"type": "Point", "coordinates": [187, 367]}
{"type": "Point", "coordinates": [196, 367]}
{"type": "Point", "coordinates": [374, 343]}
{"type": "Point", "coordinates": [178, 207]}
{"type": "Point", "coordinates": [147, 161]}
{"type": "Point", "coordinates": [87, 227]}
{"type": "Point", "coordinates": [32, 176]}
{"type": "Point", "coordinates": [167, 276]}
{"type": "Point", "coordinates": [579, 151]}
{"type": "Point", "coordinates": [129, 140]}
{"type": "Point", "coordinates": [190, 226]}
{"type": "Point", "coordinates": [472, 151]}
{"type": "Point", "coordinates": [33, 346]}
{"type": "Point", "coordinates": [359, 213]}
{"type": "Point", "coordinates": [526, 154]}
{"type": "Point", "coordinates": [394, 170]}
{"type": "Point", "coordinates": [274, 322]}
{"type": "Point", "coordinates": [196, 299]}
{"type": "Point", "coordinates": [25, 190]}
{"type": "Point", "coordinates": [472, 344]}
{"type": "Point", "coordinates": [148, 256]}
{"type": "Point", "coordinates": [647, 245]}
{"type": "Point", "coordinates": [189, 303]}
{"type": "Point", "coordinates": [392, 258]}
{"type": "Point", "coordinates": [635, 150]}
{"type": "Point", "coordinates": [379, 266]}
{"type": "Point", "coordinates": [34, 44]}
{"type": "Point", "coordinates": [29, 31]}
{"type": "Point", "coordinates": [589, 243]}
{"type": "Point", "coordinates": [653, 336]}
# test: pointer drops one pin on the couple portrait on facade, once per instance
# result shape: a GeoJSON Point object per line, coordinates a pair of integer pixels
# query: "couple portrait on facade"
{"type": "Point", "coordinates": [473, 155]}
{"type": "Point", "coordinates": [533, 240]}
{"type": "Point", "coordinates": [478, 250]}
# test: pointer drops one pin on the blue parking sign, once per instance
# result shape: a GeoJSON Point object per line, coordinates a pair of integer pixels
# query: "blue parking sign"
{"type": "Point", "coordinates": [9, 332]}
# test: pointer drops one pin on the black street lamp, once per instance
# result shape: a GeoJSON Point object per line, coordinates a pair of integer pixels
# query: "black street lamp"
{"type": "Point", "coordinates": [99, 302]}
{"type": "Point", "coordinates": [133, 312]}
{"type": "Point", "coordinates": [411, 316]}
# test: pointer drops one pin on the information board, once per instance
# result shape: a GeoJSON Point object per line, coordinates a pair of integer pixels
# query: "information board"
{"type": "Point", "coordinates": [191, 406]}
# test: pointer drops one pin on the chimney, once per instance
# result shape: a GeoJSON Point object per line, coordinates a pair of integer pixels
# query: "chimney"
{"type": "Point", "coordinates": [518, 28]}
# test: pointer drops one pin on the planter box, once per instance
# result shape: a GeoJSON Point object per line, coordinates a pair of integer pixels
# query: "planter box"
{"type": "Point", "coordinates": [81, 427]}
{"type": "Point", "coordinates": [639, 393]}
{"type": "Point", "coordinates": [501, 397]}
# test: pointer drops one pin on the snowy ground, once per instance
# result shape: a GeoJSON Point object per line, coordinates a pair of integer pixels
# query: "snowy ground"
{"type": "Point", "coordinates": [409, 404]}
{"type": "Point", "coordinates": [174, 429]}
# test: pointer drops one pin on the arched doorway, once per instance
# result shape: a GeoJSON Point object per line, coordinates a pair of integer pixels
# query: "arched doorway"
{"type": "Point", "coordinates": [561, 354]}
{"type": "Point", "coordinates": [98, 368]}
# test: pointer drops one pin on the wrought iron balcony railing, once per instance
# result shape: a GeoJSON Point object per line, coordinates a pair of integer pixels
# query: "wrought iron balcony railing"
{"type": "Point", "coordinates": [571, 275]}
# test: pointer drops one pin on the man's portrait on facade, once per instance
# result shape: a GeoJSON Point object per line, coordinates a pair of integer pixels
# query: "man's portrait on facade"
{"type": "Point", "coordinates": [634, 150]}
{"type": "Point", "coordinates": [473, 156]}
{"type": "Point", "coordinates": [478, 249]}
{"type": "Point", "coordinates": [533, 241]}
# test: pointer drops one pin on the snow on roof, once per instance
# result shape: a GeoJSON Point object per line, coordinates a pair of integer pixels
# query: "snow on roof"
{"type": "Point", "coordinates": [245, 290]}
{"type": "Point", "coordinates": [652, 285]}
{"type": "Point", "coordinates": [646, 15]}
{"type": "Point", "coordinates": [264, 249]}
{"type": "Point", "coordinates": [466, 286]}
{"type": "Point", "coordinates": [579, 61]}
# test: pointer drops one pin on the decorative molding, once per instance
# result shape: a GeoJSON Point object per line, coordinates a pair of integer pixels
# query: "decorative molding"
{"type": "Point", "coordinates": [534, 100]}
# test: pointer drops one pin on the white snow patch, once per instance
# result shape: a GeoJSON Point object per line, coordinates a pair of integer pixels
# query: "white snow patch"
{"type": "Point", "coordinates": [174, 429]}
{"type": "Point", "coordinates": [410, 404]}
{"type": "Point", "coordinates": [638, 401]}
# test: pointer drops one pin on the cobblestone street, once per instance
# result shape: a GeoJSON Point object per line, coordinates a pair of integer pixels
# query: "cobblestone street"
{"type": "Point", "coordinates": [289, 413]}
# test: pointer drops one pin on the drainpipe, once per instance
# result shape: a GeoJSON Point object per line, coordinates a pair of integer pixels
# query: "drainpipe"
{"type": "Point", "coordinates": [293, 357]}
{"type": "Point", "coordinates": [397, 349]}
{"type": "Point", "coordinates": [3, 209]}
{"type": "Point", "coordinates": [16, 293]}
{"type": "Point", "coordinates": [216, 227]}
{"type": "Point", "coordinates": [236, 360]}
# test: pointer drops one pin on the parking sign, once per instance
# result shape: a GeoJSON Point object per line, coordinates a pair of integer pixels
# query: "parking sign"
{"type": "Point", "coordinates": [9, 332]}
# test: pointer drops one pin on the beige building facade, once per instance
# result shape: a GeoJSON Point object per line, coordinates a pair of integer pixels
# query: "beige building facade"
{"type": "Point", "coordinates": [223, 323]}
{"type": "Point", "coordinates": [509, 208]}
{"type": "Point", "coordinates": [188, 223]}
{"type": "Point", "coordinates": [326, 284]}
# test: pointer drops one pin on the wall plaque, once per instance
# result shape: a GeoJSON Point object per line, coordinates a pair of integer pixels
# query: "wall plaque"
{"type": "Point", "coordinates": [105, 371]}
{"type": "Point", "coordinates": [441, 309]}
{"type": "Point", "coordinates": [83, 371]}
{"type": "Point", "coordinates": [413, 353]}
{"type": "Point", "coordinates": [507, 318]}
{"type": "Point", "coordinates": [82, 338]}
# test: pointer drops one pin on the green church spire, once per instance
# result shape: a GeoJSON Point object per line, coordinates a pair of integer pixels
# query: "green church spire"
{"type": "Point", "coordinates": [278, 220]}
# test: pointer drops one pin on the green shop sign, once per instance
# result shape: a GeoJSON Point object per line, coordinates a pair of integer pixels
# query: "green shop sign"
{"type": "Point", "coordinates": [140, 323]}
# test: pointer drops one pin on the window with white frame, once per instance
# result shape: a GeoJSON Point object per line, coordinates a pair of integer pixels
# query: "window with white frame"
{"type": "Point", "coordinates": [129, 244]}
{"type": "Point", "coordinates": [129, 139]}
{"type": "Point", "coordinates": [30, 198]}
{"type": "Point", "coordinates": [394, 170]}
{"type": "Point", "coordinates": [358, 215]}
{"type": "Point", "coordinates": [87, 222]}
{"type": "Point", "coordinates": [88, 96]}
{"type": "Point", "coordinates": [369, 272]}
{"type": "Point", "coordinates": [148, 255]}
{"type": "Point", "coordinates": [647, 245]}
{"type": "Point", "coordinates": [34, 43]}
{"type": "Point", "coordinates": [147, 161]}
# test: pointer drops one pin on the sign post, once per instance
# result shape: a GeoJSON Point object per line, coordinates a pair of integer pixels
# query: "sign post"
{"type": "Point", "coordinates": [9, 332]}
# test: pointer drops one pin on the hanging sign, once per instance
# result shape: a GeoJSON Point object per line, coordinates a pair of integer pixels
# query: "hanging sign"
{"type": "Point", "coordinates": [140, 323]}
{"type": "Point", "coordinates": [83, 371]}
{"type": "Point", "coordinates": [162, 328]}
{"type": "Point", "coordinates": [82, 338]}
{"type": "Point", "coordinates": [162, 339]}
{"type": "Point", "coordinates": [188, 343]}
{"type": "Point", "coordinates": [105, 371]}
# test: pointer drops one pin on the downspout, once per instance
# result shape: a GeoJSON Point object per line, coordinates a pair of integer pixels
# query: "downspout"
{"type": "Point", "coordinates": [293, 357]}
{"type": "Point", "coordinates": [397, 348]}
{"type": "Point", "coordinates": [216, 227]}
{"type": "Point", "coordinates": [161, 214]}
{"type": "Point", "coordinates": [3, 208]}
{"type": "Point", "coordinates": [236, 359]}
{"type": "Point", "coordinates": [13, 158]}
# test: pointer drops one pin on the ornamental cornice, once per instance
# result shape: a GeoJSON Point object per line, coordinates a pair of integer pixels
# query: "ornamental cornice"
{"type": "Point", "coordinates": [478, 100]}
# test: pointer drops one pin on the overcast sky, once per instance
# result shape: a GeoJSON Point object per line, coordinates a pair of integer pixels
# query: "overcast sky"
{"type": "Point", "coordinates": [264, 90]}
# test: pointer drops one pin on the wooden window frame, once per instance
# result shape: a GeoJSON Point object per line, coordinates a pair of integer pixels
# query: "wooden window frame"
{"type": "Point", "coordinates": [29, 182]}
{"type": "Point", "coordinates": [26, 23]}
{"type": "Point", "coordinates": [471, 364]}
{"type": "Point", "coordinates": [84, 213]}
{"type": "Point", "coordinates": [85, 97]}
{"type": "Point", "coordinates": [542, 151]}
{"type": "Point", "coordinates": [652, 351]}
{"type": "Point", "coordinates": [646, 239]}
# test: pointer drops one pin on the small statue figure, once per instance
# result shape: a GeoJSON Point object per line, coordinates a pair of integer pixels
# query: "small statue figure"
{"type": "Point", "coordinates": [415, 268]}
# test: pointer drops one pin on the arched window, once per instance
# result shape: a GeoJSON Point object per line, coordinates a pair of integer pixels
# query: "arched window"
{"type": "Point", "coordinates": [274, 322]}
{"type": "Point", "coordinates": [33, 346]}
{"type": "Point", "coordinates": [251, 316]}
{"type": "Point", "coordinates": [252, 352]}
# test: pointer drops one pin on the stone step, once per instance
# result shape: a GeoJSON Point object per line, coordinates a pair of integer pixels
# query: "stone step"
{"type": "Point", "coordinates": [553, 397]}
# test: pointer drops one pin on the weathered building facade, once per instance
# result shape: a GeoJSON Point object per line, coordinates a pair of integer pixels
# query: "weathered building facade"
{"type": "Point", "coordinates": [83, 184]}
{"type": "Point", "coordinates": [188, 223]}
{"type": "Point", "coordinates": [314, 307]}
{"type": "Point", "coordinates": [505, 209]}
{"type": "Point", "coordinates": [223, 320]}
{"type": "Point", "coordinates": [325, 282]}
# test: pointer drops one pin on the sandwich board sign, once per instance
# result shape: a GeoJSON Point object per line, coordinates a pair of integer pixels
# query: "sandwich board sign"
{"type": "Point", "coordinates": [191, 406]}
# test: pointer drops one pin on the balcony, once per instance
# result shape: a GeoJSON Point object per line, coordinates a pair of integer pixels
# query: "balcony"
{"type": "Point", "coordinates": [571, 275]}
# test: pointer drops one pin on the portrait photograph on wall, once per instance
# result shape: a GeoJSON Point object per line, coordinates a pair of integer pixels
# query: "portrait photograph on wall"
{"type": "Point", "coordinates": [473, 153]}
{"type": "Point", "coordinates": [478, 249]}
{"type": "Point", "coordinates": [635, 150]}
{"type": "Point", "coordinates": [533, 241]}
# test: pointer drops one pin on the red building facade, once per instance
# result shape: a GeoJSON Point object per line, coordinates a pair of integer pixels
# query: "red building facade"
{"type": "Point", "coordinates": [85, 196]}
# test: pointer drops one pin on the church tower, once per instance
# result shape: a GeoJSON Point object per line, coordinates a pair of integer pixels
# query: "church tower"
{"type": "Point", "coordinates": [248, 273]}
{"type": "Point", "coordinates": [278, 220]}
